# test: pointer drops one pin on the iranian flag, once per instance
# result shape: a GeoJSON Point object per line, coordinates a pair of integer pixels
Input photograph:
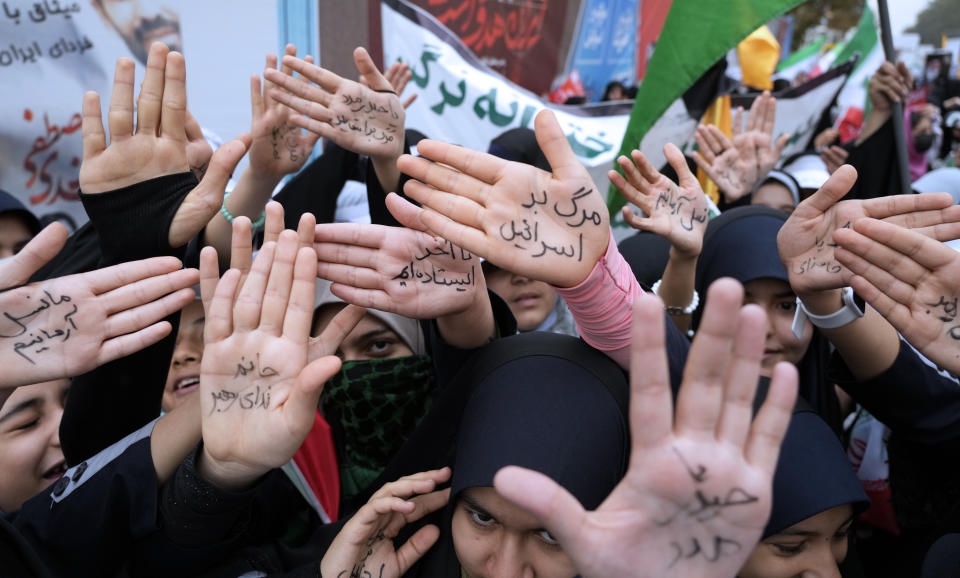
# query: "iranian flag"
{"type": "Point", "coordinates": [695, 36]}
{"type": "Point", "coordinates": [853, 101]}
{"type": "Point", "coordinates": [801, 61]}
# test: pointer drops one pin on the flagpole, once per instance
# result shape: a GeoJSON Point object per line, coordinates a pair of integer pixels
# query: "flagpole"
{"type": "Point", "coordinates": [899, 134]}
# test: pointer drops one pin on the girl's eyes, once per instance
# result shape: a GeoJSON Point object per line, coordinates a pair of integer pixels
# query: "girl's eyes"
{"type": "Point", "coordinates": [27, 425]}
{"type": "Point", "coordinates": [787, 305]}
{"type": "Point", "coordinates": [790, 549]}
{"type": "Point", "coordinates": [380, 347]}
{"type": "Point", "coordinates": [548, 538]}
{"type": "Point", "coordinates": [481, 518]}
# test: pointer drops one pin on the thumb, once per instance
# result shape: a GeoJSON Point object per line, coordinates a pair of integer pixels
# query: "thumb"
{"type": "Point", "coordinates": [205, 200]}
{"type": "Point", "coordinates": [38, 252]}
{"type": "Point", "coordinates": [781, 142]}
{"type": "Point", "coordinates": [838, 185]}
{"type": "Point", "coordinates": [555, 146]}
{"type": "Point", "coordinates": [559, 512]}
{"type": "Point", "coordinates": [679, 164]}
{"type": "Point", "coordinates": [405, 212]}
{"type": "Point", "coordinates": [300, 408]}
{"type": "Point", "coordinates": [369, 71]}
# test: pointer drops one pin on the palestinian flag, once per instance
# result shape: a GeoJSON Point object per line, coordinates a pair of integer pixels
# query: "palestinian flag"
{"type": "Point", "coordinates": [801, 61]}
{"type": "Point", "coordinates": [695, 37]}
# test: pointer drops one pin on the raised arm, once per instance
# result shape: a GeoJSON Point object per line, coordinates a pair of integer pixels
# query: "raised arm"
{"type": "Point", "coordinates": [868, 344]}
{"type": "Point", "coordinates": [698, 490]}
{"type": "Point", "coordinates": [677, 212]}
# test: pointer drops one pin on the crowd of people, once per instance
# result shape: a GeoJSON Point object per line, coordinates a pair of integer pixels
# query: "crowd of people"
{"type": "Point", "coordinates": [477, 379]}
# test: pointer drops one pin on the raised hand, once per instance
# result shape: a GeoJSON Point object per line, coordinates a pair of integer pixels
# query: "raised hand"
{"type": "Point", "coordinates": [367, 119]}
{"type": "Point", "coordinates": [259, 390]}
{"type": "Point", "coordinates": [398, 270]}
{"type": "Point", "coordinates": [398, 75]}
{"type": "Point", "coordinates": [910, 279]}
{"type": "Point", "coordinates": [806, 243]}
{"type": "Point", "coordinates": [551, 227]}
{"type": "Point", "coordinates": [70, 325]}
{"type": "Point", "coordinates": [678, 213]}
{"type": "Point", "coordinates": [697, 494]}
{"type": "Point", "coordinates": [364, 547]}
{"type": "Point", "coordinates": [731, 165]}
{"type": "Point", "coordinates": [279, 146]}
{"type": "Point", "coordinates": [760, 123]}
{"type": "Point", "coordinates": [18, 269]}
{"type": "Point", "coordinates": [157, 145]}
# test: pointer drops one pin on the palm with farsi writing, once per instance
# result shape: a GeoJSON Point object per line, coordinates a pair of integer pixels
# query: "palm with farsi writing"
{"type": "Point", "coordinates": [678, 213]}
{"type": "Point", "coordinates": [367, 119]}
{"type": "Point", "coordinates": [551, 227]}
{"type": "Point", "coordinates": [697, 494]}
{"type": "Point", "coordinates": [397, 269]}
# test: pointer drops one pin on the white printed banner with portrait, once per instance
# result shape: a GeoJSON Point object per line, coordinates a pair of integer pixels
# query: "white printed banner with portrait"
{"type": "Point", "coordinates": [53, 51]}
{"type": "Point", "coordinates": [464, 102]}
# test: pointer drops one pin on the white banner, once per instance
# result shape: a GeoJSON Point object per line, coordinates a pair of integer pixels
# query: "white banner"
{"type": "Point", "coordinates": [464, 102]}
{"type": "Point", "coordinates": [53, 51]}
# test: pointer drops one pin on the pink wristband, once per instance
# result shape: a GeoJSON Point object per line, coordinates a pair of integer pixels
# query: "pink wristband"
{"type": "Point", "coordinates": [602, 305]}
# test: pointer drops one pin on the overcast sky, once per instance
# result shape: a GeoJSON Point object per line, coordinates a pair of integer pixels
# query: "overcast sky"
{"type": "Point", "coordinates": [903, 13]}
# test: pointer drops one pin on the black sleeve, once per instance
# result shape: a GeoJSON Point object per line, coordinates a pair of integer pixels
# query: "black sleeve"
{"type": "Point", "coordinates": [115, 399]}
{"type": "Point", "coordinates": [912, 398]}
{"type": "Point", "coordinates": [875, 159]}
{"type": "Point", "coordinates": [377, 197]}
{"type": "Point", "coordinates": [85, 523]}
{"type": "Point", "coordinates": [315, 189]}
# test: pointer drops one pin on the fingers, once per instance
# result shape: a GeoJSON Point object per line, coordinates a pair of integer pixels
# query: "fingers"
{"type": "Point", "coordinates": [299, 313]}
{"type": "Point", "coordinates": [192, 128]}
{"type": "Point", "coordinates": [736, 127]}
{"type": "Point", "coordinates": [305, 228]}
{"type": "Point", "coordinates": [369, 71]}
{"type": "Point", "coordinates": [883, 207]}
{"type": "Point", "coordinates": [555, 146]}
{"type": "Point", "coordinates": [770, 425]}
{"type": "Point", "coordinates": [336, 331]}
{"type": "Point", "coordinates": [893, 272]}
{"type": "Point", "coordinates": [209, 276]}
{"type": "Point", "coordinates": [241, 245]}
{"type": "Point", "coordinates": [307, 100]}
{"type": "Point", "coordinates": [626, 189]}
{"type": "Point", "coordinates": [559, 512]}
{"type": "Point", "coordinates": [93, 137]}
{"type": "Point", "coordinates": [34, 255]}
{"type": "Point", "coordinates": [174, 103]}
{"type": "Point", "coordinates": [833, 190]}
{"type": "Point", "coordinates": [150, 101]}
{"type": "Point", "coordinates": [246, 311]}
{"type": "Point", "coordinates": [300, 409]}
{"type": "Point", "coordinates": [782, 140]}
{"type": "Point", "coordinates": [919, 248]}
{"type": "Point", "coordinates": [219, 316]}
{"type": "Point", "coordinates": [741, 380]}
{"type": "Point", "coordinates": [418, 545]}
{"type": "Point", "coordinates": [118, 276]}
{"type": "Point", "coordinates": [125, 345]}
{"type": "Point", "coordinates": [315, 74]}
{"type": "Point", "coordinates": [679, 163]}
{"type": "Point", "coordinates": [120, 113]}
{"type": "Point", "coordinates": [704, 154]}
{"type": "Point", "coordinates": [256, 98]}
{"type": "Point", "coordinates": [280, 284]}
{"type": "Point", "coordinates": [466, 171]}
{"type": "Point", "coordinates": [134, 318]}
{"type": "Point", "coordinates": [355, 293]}
{"type": "Point", "coordinates": [146, 290]}
{"type": "Point", "coordinates": [405, 212]}
{"type": "Point", "coordinates": [700, 399]}
{"type": "Point", "coordinates": [651, 404]}
{"type": "Point", "coordinates": [469, 238]}
{"type": "Point", "coordinates": [460, 209]}
{"type": "Point", "coordinates": [273, 222]}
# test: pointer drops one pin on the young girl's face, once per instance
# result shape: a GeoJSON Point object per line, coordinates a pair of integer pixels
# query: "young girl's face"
{"type": "Point", "coordinates": [780, 303]}
{"type": "Point", "coordinates": [814, 547]}
{"type": "Point", "coordinates": [492, 537]}
{"type": "Point", "coordinates": [30, 454]}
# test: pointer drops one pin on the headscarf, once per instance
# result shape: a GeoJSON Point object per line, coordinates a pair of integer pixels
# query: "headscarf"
{"type": "Point", "coordinates": [543, 401]}
{"type": "Point", "coordinates": [785, 179]}
{"type": "Point", "coordinates": [742, 243]}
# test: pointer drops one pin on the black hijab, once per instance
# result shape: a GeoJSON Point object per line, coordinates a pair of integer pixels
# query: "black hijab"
{"type": "Point", "coordinates": [543, 401]}
{"type": "Point", "coordinates": [742, 243]}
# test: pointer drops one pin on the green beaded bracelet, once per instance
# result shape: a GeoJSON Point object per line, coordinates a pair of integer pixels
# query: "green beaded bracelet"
{"type": "Point", "coordinates": [226, 214]}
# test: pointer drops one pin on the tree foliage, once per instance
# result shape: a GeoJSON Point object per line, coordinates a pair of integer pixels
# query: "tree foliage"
{"type": "Point", "coordinates": [840, 15]}
{"type": "Point", "coordinates": [938, 18]}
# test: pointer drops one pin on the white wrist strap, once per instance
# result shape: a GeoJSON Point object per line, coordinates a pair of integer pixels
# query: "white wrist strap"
{"type": "Point", "coordinates": [847, 314]}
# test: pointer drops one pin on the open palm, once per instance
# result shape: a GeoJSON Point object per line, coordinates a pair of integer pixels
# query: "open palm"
{"type": "Point", "coordinates": [806, 243]}
{"type": "Point", "coordinates": [397, 269]}
{"type": "Point", "coordinates": [697, 494]}
{"type": "Point", "coordinates": [551, 227]}
{"type": "Point", "coordinates": [676, 212]}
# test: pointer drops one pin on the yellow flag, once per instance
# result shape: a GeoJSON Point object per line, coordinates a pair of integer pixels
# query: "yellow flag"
{"type": "Point", "coordinates": [717, 114]}
{"type": "Point", "coordinates": [759, 54]}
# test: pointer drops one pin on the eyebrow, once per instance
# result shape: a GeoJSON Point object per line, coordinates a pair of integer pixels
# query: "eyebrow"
{"type": "Point", "coordinates": [199, 320]}
{"type": "Point", "coordinates": [375, 333]}
{"type": "Point", "coordinates": [789, 532]}
{"type": "Point", "coordinates": [22, 406]}
{"type": "Point", "coordinates": [473, 505]}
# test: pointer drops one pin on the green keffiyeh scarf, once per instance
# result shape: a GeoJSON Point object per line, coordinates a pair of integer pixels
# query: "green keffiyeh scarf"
{"type": "Point", "coordinates": [376, 404]}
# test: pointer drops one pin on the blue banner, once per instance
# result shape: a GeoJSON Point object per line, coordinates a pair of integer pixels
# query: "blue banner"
{"type": "Point", "coordinates": [606, 45]}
